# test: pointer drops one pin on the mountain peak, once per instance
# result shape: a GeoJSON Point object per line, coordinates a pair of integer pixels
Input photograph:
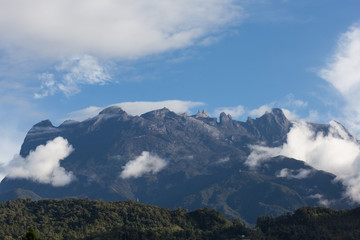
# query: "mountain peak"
{"type": "Point", "coordinates": [112, 110]}
{"type": "Point", "coordinates": [44, 124]}
{"type": "Point", "coordinates": [158, 114]}
{"type": "Point", "coordinates": [225, 118]}
{"type": "Point", "coordinates": [276, 115]}
{"type": "Point", "coordinates": [273, 126]}
{"type": "Point", "coordinates": [202, 114]}
{"type": "Point", "coordinates": [277, 112]}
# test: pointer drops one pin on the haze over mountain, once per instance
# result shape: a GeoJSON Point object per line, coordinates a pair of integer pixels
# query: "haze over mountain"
{"type": "Point", "coordinates": [243, 169]}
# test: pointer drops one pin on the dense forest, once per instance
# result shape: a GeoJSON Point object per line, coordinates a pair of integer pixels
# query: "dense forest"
{"type": "Point", "coordinates": [87, 219]}
{"type": "Point", "coordinates": [312, 223]}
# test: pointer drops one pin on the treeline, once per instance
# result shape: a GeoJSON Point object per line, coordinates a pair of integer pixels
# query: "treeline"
{"type": "Point", "coordinates": [87, 219]}
{"type": "Point", "coordinates": [312, 223]}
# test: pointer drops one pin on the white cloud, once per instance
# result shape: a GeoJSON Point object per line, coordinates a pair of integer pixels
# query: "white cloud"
{"type": "Point", "coordinates": [10, 143]}
{"type": "Point", "coordinates": [291, 101]}
{"type": "Point", "coordinates": [290, 114]}
{"type": "Point", "coordinates": [137, 108]}
{"type": "Point", "coordinates": [261, 110]}
{"type": "Point", "coordinates": [322, 201]}
{"type": "Point", "coordinates": [43, 164]}
{"type": "Point", "coordinates": [337, 153]}
{"type": "Point", "coordinates": [343, 69]}
{"type": "Point", "coordinates": [258, 112]}
{"type": "Point", "coordinates": [70, 74]}
{"type": "Point", "coordinates": [313, 116]}
{"type": "Point", "coordinates": [289, 105]}
{"type": "Point", "coordinates": [343, 73]}
{"type": "Point", "coordinates": [122, 29]}
{"type": "Point", "coordinates": [296, 174]}
{"type": "Point", "coordinates": [294, 104]}
{"type": "Point", "coordinates": [260, 154]}
{"type": "Point", "coordinates": [235, 112]}
{"type": "Point", "coordinates": [145, 163]}
{"type": "Point", "coordinates": [223, 160]}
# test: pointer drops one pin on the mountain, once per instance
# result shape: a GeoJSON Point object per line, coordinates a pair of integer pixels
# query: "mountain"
{"type": "Point", "coordinates": [19, 193]}
{"type": "Point", "coordinates": [175, 160]}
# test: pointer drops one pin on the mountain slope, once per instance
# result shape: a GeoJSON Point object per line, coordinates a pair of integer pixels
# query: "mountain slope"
{"type": "Point", "coordinates": [180, 161]}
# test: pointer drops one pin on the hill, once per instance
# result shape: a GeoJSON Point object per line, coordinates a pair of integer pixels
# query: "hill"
{"type": "Point", "coordinates": [86, 219]}
{"type": "Point", "coordinates": [98, 220]}
{"type": "Point", "coordinates": [312, 223]}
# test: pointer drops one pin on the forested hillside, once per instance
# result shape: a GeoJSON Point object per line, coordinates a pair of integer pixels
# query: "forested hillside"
{"type": "Point", "coordinates": [86, 219]}
{"type": "Point", "coordinates": [312, 223]}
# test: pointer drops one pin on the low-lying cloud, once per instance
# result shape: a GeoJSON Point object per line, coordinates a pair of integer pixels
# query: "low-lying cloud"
{"type": "Point", "coordinates": [294, 174]}
{"type": "Point", "coordinates": [337, 153]}
{"type": "Point", "coordinates": [143, 164]}
{"type": "Point", "coordinates": [43, 164]}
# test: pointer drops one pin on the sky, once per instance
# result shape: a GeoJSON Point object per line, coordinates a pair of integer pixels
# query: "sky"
{"type": "Point", "coordinates": [66, 59]}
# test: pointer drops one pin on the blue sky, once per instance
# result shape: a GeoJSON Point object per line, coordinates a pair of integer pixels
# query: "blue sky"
{"type": "Point", "coordinates": [58, 58]}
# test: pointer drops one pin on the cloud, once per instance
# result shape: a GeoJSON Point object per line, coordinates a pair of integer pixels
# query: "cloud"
{"type": "Point", "coordinates": [10, 143]}
{"type": "Point", "coordinates": [260, 154]}
{"type": "Point", "coordinates": [70, 74]}
{"type": "Point", "coordinates": [291, 101]}
{"type": "Point", "coordinates": [137, 108]}
{"type": "Point", "coordinates": [290, 114]}
{"type": "Point", "coordinates": [261, 110]}
{"type": "Point", "coordinates": [258, 112]}
{"type": "Point", "coordinates": [289, 104]}
{"type": "Point", "coordinates": [223, 160]}
{"type": "Point", "coordinates": [343, 73]}
{"type": "Point", "coordinates": [43, 164]}
{"type": "Point", "coordinates": [322, 201]}
{"type": "Point", "coordinates": [313, 116]}
{"type": "Point", "coordinates": [235, 112]}
{"type": "Point", "coordinates": [145, 163]}
{"type": "Point", "coordinates": [337, 153]}
{"type": "Point", "coordinates": [294, 174]}
{"type": "Point", "coordinates": [293, 104]}
{"type": "Point", "coordinates": [126, 29]}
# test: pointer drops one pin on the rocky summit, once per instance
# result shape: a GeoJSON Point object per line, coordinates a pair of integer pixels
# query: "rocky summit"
{"type": "Point", "coordinates": [171, 160]}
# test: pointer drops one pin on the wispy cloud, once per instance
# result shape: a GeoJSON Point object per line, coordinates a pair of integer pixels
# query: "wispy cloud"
{"type": "Point", "coordinates": [38, 35]}
{"type": "Point", "coordinates": [261, 110]}
{"type": "Point", "coordinates": [294, 174]}
{"type": "Point", "coordinates": [343, 73]}
{"type": "Point", "coordinates": [322, 200]}
{"type": "Point", "coordinates": [291, 101]}
{"type": "Point", "coordinates": [137, 108]}
{"type": "Point", "coordinates": [70, 74]}
{"type": "Point", "coordinates": [337, 153]}
{"type": "Point", "coordinates": [145, 163]}
{"type": "Point", "coordinates": [258, 112]}
{"type": "Point", "coordinates": [235, 112]}
{"type": "Point", "coordinates": [43, 164]}
{"type": "Point", "coordinates": [9, 145]}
